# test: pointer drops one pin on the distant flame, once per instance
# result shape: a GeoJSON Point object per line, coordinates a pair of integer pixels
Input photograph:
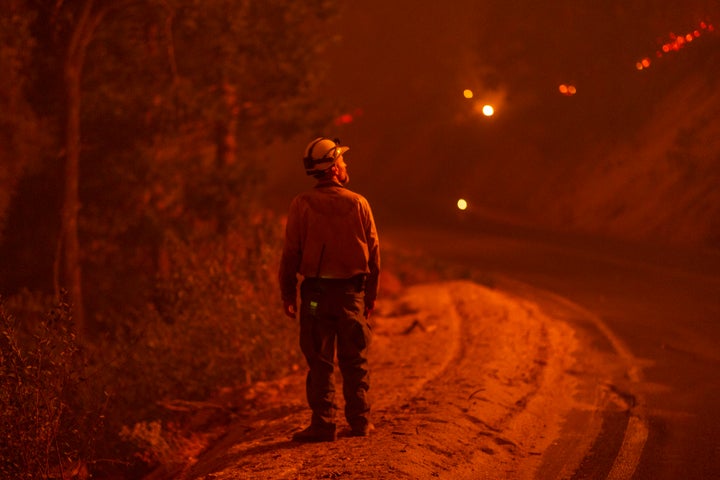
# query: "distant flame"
{"type": "Point", "coordinates": [676, 43]}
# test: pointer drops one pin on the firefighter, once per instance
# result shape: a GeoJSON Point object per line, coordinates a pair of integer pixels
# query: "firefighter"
{"type": "Point", "coordinates": [332, 243]}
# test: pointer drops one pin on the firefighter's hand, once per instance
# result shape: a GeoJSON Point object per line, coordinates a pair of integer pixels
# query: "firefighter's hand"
{"type": "Point", "coordinates": [290, 309]}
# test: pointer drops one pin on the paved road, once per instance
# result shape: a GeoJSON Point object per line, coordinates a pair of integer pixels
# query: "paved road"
{"type": "Point", "coordinates": [660, 305]}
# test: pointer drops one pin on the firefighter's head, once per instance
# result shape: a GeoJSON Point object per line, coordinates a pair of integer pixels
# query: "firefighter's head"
{"type": "Point", "coordinates": [324, 158]}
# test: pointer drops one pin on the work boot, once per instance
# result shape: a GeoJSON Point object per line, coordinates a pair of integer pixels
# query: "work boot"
{"type": "Point", "coordinates": [362, 430]}
{"type": "Point", "coordinates": [313, 434]}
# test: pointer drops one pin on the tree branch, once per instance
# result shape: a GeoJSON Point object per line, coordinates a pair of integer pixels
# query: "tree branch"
{"type": "Point", "coordinates": [170, 41]}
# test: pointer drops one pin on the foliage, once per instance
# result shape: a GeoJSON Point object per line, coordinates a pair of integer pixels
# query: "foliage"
{"type": "Point", "coordinates": [214, 320]}
{"type": "Point", "coordinates": [20, 135]}
{"type": "Point", "coordinates": [228, 76]}
{"type": "Point", "coordinates": [47, 421]}
{"type": "Point", "coordinates": [228, 285]}
{"type": "Point", "coordinates": [179, 97]}
{"type": "Point", "coordinates": [177, 114]}
{"type": "Point", "coordinates": [214, 323]}
{"type": "Point", "coordinates": [248, 69]}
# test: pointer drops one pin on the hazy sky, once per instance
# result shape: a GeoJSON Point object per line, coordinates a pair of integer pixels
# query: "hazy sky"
{"type": "Point", "coordinates": [400, 68]}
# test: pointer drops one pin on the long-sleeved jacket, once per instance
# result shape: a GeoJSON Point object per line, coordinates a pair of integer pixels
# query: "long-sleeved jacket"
{"type": "Point", "coordinates": [330, 233]}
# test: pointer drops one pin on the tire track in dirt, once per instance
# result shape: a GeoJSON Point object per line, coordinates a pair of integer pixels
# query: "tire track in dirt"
{"type": "Point", "coordinates": [476, 416]}
{"type": "Point", "coordinates": [467, 383]}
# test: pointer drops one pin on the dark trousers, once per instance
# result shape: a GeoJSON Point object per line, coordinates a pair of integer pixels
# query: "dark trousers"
{"type": "Point", "coordinates": [331, 312]}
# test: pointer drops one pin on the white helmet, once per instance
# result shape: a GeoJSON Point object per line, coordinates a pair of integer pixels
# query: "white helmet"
{"type": "Point", "coordinates": [321, 154]}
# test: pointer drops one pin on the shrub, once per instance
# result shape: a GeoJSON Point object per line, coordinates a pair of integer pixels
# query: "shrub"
{"type": "Point", "coordinates": [214, 322]}
{"type": "Point", "coordinates": [46, 427]}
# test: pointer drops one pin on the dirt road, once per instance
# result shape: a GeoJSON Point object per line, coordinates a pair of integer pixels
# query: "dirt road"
{"type": "Point", "coordinates": [468, 382]}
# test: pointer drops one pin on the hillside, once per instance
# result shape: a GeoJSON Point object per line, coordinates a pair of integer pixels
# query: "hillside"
{"type": "Point", "coordinates": [662, 186]}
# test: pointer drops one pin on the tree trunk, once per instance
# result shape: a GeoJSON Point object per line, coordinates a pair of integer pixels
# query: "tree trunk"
{"type": "Point", "coordinates": [227, 146]}
{"type": "Point", "coordinates": [71, 204]}
{"type": "Point", "coordinates": [83, 32]}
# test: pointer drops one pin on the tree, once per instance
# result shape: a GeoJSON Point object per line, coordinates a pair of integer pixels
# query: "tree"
{"type": "Point", "coordinates": [215, 76]}
{"type": "Point", "coordinates": [81, 34]}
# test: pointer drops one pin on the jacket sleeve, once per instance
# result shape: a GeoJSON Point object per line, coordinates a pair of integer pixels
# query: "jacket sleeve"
{"type": "Point", "coordinates": [373, 243]}
{"type": "Point", "coordinates": [291, 255]}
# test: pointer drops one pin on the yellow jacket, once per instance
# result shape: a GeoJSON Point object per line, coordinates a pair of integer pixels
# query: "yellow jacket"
{"type": "Point", "coordinates": [330, 233]}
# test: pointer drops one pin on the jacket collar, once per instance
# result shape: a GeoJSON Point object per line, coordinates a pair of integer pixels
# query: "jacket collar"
{"type": "Point", "coordinates": [328, 183]}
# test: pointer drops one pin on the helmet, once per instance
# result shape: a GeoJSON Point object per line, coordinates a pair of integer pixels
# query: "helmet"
{"type": "Point", "coordinates": [321, 154]}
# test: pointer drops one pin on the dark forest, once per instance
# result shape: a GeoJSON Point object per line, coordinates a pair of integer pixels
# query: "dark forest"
{"type": "Point", "coordinates": [137, 267]}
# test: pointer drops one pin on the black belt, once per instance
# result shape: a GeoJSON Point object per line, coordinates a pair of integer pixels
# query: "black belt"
{"type": "Point", "coordinates": [357, 282]}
